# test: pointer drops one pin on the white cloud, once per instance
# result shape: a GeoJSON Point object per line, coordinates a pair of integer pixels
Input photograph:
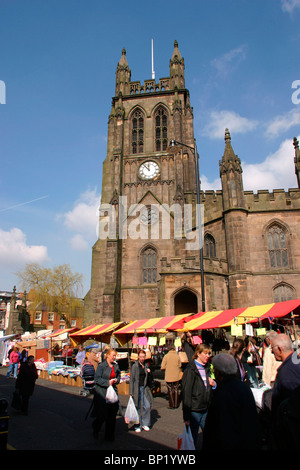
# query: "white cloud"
{"type": "Point", "coordinates": [83, 220]}
{"type": "Point", "coordinates": [14, 250]}
{"type": "Point", "coordinates": [206, 185]}
{"type": "Point", "coordinates": [283, 122]}
{"type": "Point", "coordinates": [277, 171]}
{"type": "Point", "coordinates": [224, 63]}
{"type": "Point", "coordinates": [220, 120]}
{"type": "Point", "coordinates": [79, 243]}
{"type": "Point", "coordinates": [290, 5]}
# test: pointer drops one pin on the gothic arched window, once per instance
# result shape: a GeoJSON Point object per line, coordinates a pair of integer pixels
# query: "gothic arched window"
{"type": "Point", "coordinates": [149, 266]}
{"type": "Point", "coordinates": [137, 132]}
{"type": "Point", "coordinates": [161, 130]}
{"type": "Point", "coordinates": [209, 246]}
{"type": "Point", "coordinates": [277, 247]}
{"type": "Point", "coordinates": [282, 293]}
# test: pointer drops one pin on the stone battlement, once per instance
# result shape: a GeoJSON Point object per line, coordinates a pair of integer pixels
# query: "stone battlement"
{"type": "Point", "coordinates": [150, 86]}
{"type": "Point", "coordinates": [260, 201]}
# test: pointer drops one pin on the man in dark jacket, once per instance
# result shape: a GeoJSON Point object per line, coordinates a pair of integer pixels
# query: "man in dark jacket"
{"type": "Point", "coordinates": [288, 373]}
{"type": "Point", "coordinates": [287, 381]}
{"type": "Point", "coordinates": [232, 420]}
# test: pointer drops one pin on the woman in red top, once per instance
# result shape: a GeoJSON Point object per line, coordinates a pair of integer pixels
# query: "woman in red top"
{"type": "Point", "coordinates": [14, 360]}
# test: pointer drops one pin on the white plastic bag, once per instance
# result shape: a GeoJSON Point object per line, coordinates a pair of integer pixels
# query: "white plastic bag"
{"type": "Point", "coordinates": [111, 396]}
{"type": "Point", "coordinates": [131, 414]}
{"type": "Point", "coordinates": [187, 442]}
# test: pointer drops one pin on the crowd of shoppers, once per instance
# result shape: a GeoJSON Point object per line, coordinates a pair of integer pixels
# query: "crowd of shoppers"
{"type": "Point", "coordinates": [215, 390]}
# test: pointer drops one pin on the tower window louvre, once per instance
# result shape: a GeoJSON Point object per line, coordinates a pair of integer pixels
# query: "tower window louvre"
{"type": "Point", "coordinates": [277, 247]}
{"type": "Point", "coordinates": [209, 246]}
{"type": "Point", "coordinates": [161, 130]}
{"type": "Point", "coordinates": [149, 266]}
{"type": "Point", "coordinates": [137, 132]}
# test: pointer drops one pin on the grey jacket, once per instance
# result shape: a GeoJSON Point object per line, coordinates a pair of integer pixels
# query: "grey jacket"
{"type": "Point", "coordinates": [134, 384]}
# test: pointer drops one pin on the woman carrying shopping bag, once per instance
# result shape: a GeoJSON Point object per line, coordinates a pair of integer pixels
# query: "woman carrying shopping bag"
{"type": "Point", "coordinates": [107, 374]}
{"type": "Point", "coordinates": [141, 392]}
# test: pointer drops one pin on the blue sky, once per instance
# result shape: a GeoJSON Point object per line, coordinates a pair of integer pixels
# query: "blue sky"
{"type": "Point", "coordinates": [57, 63]}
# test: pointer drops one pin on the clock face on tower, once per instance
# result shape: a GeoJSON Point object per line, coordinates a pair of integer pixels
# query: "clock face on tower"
{"type": "Point", "coordinates": [149, 170]}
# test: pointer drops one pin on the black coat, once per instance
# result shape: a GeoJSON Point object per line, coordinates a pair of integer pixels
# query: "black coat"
{"type": "Point", "coordinates": [26, 379]}
{"type": "Point", "coordinates": [232, 419]}
{"type": "Point", "coordinates": [195, 396]}
{"type": "Point", "coordinates": [287, 380]}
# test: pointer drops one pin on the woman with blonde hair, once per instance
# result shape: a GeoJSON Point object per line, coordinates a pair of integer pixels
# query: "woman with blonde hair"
{"type": "Point", "coordinates": [107, 373]}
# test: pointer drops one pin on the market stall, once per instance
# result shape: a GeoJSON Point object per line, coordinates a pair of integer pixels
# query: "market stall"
{"type": "Point", "coordinates": [236, 318]}
{"type": "Point", "coordinates": [142, 328]}
{"type": "Point", "coordinates": [102, 332]}
{"type": "Point", "coordinates": [59, 347]}
{"type": "Point", "coordinates": [151, 335]}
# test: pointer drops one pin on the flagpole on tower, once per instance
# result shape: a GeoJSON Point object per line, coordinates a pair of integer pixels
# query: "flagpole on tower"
{"type": "Point", "coordinates": [152, 60]}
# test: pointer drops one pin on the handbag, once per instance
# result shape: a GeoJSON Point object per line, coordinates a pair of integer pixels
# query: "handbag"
{"type": "Point", "coordinates": [111, 395]}
{"type": "Point", "coordinates": [16, 400]}
{"type": "Point", "coordinates": [131, 414]}
{"type": "Point", "coordinates": [134, 356]}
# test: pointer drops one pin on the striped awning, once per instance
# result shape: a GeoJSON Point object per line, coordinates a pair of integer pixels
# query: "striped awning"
{"type": "Point", "coordinates": [159, 325]}
{"type": "Point", "coordinates": [223, 318]}
{"type": "Point", "coordinates": [101, 332]}
{"type": "Point", "coordinates": [61, 332]}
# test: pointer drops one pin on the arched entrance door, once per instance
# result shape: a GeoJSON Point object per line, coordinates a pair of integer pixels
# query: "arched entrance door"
{"type": "Point", "coordinates": [185, 302]}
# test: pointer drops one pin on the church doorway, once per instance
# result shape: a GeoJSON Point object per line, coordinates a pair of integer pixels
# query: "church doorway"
{"type": "Point", "coordinates": [185, 302]}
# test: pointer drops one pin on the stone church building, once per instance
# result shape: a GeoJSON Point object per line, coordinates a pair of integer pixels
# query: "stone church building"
{"type": "Point", "coordinates": [143, 266]}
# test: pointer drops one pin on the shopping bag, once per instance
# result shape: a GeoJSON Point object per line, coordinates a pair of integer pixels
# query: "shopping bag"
{"type": "Point", "coordinates": [131, 414]}
{"type": "Point", "coordinates": [186, 442]}
{"type": "Point", "coordinates": [16, 400]}
{"type": "Point", "coordinates": [111, 395]}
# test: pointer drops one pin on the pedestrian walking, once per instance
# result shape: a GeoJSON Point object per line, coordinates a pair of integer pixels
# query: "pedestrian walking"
{"type": "Point", "coordinates": [171, 364]}
{"type": "Point", "coordinates": [14, 359]}
{"type": "Point", "coordinates": [197, 387]}
{"type": "Point", "coordinates": [26, 382]}
{"type": "Point", "coordinates": [139, 389]}
{"type": "Point", "coordinates": [107, 373]}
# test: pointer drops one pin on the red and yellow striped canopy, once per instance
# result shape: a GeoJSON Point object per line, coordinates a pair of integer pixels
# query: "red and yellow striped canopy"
{"type": "Point", "coordinates": [101, 332]}
{"type": "Point", "coordinates": [61, 332]}
{"type": "Point", "coordinates": [150, 325]}
{"type": "Point", "coordinates": [223, 318]}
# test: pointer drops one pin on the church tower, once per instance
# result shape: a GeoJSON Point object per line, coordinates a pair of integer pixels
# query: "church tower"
{"type": "Point", "coordinates": [235, 216]}
{"type": "Point", "coordinates": [143, 267]}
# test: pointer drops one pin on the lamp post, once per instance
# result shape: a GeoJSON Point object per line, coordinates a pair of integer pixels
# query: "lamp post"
{"type": "Point", "coordinates": [174, 143]}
